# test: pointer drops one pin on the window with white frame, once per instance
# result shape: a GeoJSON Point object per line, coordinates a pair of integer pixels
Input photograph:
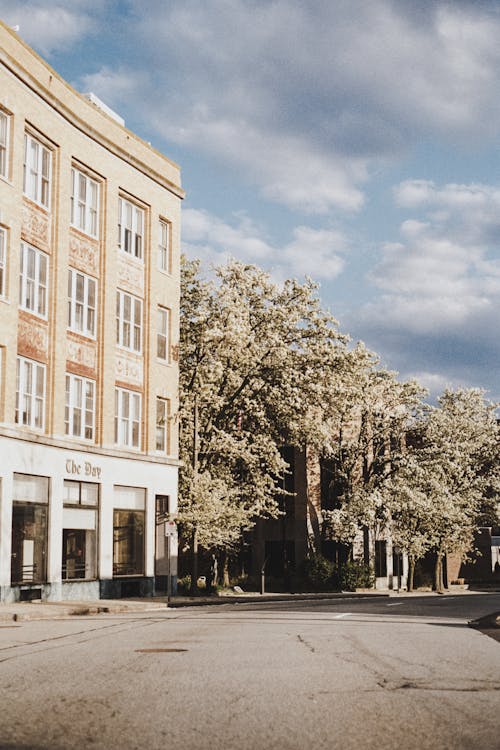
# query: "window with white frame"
{"type": "Point", "coordinates": [130, 228]}
{"type": "Point", "coordinates": [163, 334]}
{"type": "Point", "coordinates": [128, 321]}
{"type": "Point", "coordinates": [37, 171]}
{"type": "Point", "coordinates": [4, 144]}
{"type": "Point", "coordinates": [30, 393]}
{"type": "Point", "coordinates": [33, 278]}
{"type": "Point", "coordinates": [81, 303]}
{"type": "Point", "coordinates": [84, 202]}
{"type": "Point", "coordinates": [79, 547]}
{"type": "Point", "coordinates": [164, 254]}
{"type": "Point", "coordinates": [3, 256]}
{"type": "Point", "coordinates": [80, 407]}
{"type": "Point", "coordinates": [162, 425]}
{"type": "Point", "coordinates": [127, 418]}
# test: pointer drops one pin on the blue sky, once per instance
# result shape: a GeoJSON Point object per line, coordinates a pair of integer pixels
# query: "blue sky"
{"type": "Point", "coordinates": [353, 141]}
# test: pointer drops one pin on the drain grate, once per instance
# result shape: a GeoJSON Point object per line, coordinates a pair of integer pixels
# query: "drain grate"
{"type": "Point", "coordinates": [159, 650]}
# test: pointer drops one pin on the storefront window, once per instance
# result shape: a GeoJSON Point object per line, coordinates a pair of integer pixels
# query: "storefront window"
{"type": "Point", "coordinates": [79, 530]}
{"type": "Point", "coordinates": [78, 560]}
{"type": "Point", "coordinates": [29, 529]}
{"type": "Point", "coordinates": [128, 542]}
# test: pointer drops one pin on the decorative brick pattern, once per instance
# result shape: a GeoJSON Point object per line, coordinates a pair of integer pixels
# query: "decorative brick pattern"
{"type": "Point", "coordinates": [129, 369]}
{"type": "Point", "coordinates": [81, 357]}
{"type": "Point", "coordinates": [32, 337]}
{"type": "Point", "coordinates": [83, 253]}
{"type": "Point", "coordinates": [130, 276]}
{"type": "Point", "coordinates": [35, 227]}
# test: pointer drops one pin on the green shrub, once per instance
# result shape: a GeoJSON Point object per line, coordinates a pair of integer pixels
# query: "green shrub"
{"type": "Point", "coordinates": [355, 574]}
{"type": "Point", "coordinates": [184, 584]}
{"type": "Point", "coordinates": [318, 571]}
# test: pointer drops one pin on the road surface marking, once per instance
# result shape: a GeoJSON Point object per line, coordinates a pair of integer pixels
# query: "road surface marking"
{"type": "Point", "coordinates": [344, 614]}
{"type": "Point", "coordinates": [396, 604]}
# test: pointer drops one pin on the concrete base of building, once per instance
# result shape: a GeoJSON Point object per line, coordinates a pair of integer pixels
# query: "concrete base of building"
{"type": "Point", "coordinates": [117, 588]}
{"type": "Point", "coordinates": [122, 588]}
{"type": "Point", "coordinates": [161, 585]}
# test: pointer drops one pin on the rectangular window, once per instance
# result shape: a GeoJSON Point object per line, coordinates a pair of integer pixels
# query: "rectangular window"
{"type": "Point", "coordinates": [127, 418]}
{"type": "Point", "coordinates": [162, 425]}
{"type": "Point", "coordinates": [30, 393]}
{"type": "Point", "coordinates": [380, 558]}
{"type": "Point", "coordinates": [128, 321]}
{"type": "Point", "coordinates": [79, 410]}
{"type": "Point", "coordinates": [33, 279]}
{"type": "Point", "coordinates": [82, 293]}
{"type": "Point", "coordinates": [164, 250]}
{"type": "Point", "coordinates": [3, 256]}
{"type": "Point", "coordinates": [4, 145]}
{"type": "Point", "coordinates": [29, 528]}
{"type": "Point", "coordinates": [162, 508]}
{"type": "Point", "coordinates": [79, 530]}
{"type": "Point", "coordinates": [130, 228]}
{"type": "Point", "coordinates": [163, 334]}
{"type": "Point", "coordinates": [128, 542]}
{"type": "Point", "coordinates": [37, 171]}
{"type": "Point", "coordinates": [80, 493]}
{"type": "Point", "coordinates": [84, 203]}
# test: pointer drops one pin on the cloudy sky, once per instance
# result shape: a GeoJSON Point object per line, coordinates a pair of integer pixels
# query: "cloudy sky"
{"type": "Point", "coordinates": [355, 141]}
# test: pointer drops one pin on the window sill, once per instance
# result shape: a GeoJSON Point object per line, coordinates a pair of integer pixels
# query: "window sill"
{"type": "Point", "coordinates": [80, 440]}
{"type": "Point", "coordinates": [43, 208]}
{"type": "Point", "coordinates": [45, 318]}
{"type": "Point", "coordinates": [131, 448]}
{"type": "Point", "coordinates": [86, 336]}
{"type": "Point", "coordinates": [125, 350]}
{"type": "Point", "coordinates": [94, 237]}
{"type": "Point", "coordinates": [29, 428]}
{"type": "Point", "coordinates": [133, 258]}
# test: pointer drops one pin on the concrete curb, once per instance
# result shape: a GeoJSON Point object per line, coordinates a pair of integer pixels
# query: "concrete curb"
{"type": "Point", "coordinates": [24, 612]}
{"type": "Point", "coordinates": [489, 622]}
{"type": "Point", "coordinates": [177, 602]}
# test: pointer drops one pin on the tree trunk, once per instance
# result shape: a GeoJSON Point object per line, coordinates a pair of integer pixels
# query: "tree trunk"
{"type": "Point", "coordinates": [194, 562]}
{"type": "Point", "coordinates": [411, 572]}
{"type": "Point", "coordinates": [438, 574]}
{"type": "Point", "coordinates": [225, 570]}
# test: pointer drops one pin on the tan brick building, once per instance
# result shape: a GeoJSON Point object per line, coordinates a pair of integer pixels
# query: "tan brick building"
{"type": "Point", "coordinates": [89, 318]}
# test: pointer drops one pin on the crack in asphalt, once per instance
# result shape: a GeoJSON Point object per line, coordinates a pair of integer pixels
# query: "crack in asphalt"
{"type": "Point", "coordinates": [102, 631]}
{"type": "Point", "coordinates": [306, 644]}
{"type": "Point", "coordinates": [483, 687]}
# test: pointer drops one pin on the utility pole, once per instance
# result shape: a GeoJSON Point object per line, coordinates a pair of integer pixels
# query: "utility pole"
{"type": "Point", "coordinates": [194, 538]}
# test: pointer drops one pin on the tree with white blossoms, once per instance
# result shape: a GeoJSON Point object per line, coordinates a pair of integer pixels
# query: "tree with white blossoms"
{"type": "Point", "coordinates": [450, 481]}
{"type": "Point", "coordinates": [411, 502]}
{"type": "Point", "coordinates": [256, 361]}
{"type": "Point", "coordinates": [366, 444]}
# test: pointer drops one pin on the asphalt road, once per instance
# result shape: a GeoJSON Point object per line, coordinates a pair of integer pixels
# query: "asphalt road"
{"type": "Point", "coordinates": [385, 673]}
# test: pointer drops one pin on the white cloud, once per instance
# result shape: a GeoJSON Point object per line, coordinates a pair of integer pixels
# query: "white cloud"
{"type": "Point", "coordinates": [440, 276]}
{"type": "Point", "coordinates": [50, 26]}
{"type": "Point", "coordinates": [425, 194]}
{"type": "Point", "coordinates": [114, 85]}
{"type": "Point", "coordinates": [314, 252]}
{"type": "Point", "coordinates": [305, 100]}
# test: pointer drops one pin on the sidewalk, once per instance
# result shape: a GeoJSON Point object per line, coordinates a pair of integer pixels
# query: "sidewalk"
{"type": "Point", "coordinates": [36, 610]}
